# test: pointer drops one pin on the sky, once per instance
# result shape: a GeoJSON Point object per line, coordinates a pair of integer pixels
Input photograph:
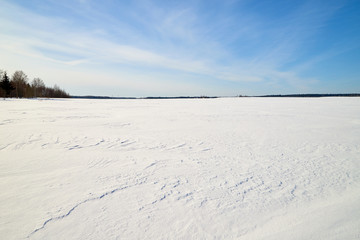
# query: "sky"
{"type": "Point", "coordinates": [138, 48]}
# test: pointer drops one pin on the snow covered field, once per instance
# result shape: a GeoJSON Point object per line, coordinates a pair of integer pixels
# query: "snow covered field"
{"type": "Point", "coordinates": [230, 168]}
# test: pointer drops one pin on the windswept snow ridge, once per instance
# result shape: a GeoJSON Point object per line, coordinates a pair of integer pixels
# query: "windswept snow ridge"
{"type": "Point", "coordinates": [77, 205]}
{"type": "Point", "coordinates": [232, 168]}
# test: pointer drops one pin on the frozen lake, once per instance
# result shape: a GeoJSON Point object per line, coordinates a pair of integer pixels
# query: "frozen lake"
{"type": "Point", "coordinates": [229, 168]}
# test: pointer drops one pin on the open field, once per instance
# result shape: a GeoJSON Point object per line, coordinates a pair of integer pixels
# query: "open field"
{"type": "Point", "coordinates": [227, 168]}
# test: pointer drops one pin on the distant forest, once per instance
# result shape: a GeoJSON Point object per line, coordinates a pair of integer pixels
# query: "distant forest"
{"type": "Point", "coordinates": [18, 86]}
{"type": "Point", "coordinates": [317, 95]}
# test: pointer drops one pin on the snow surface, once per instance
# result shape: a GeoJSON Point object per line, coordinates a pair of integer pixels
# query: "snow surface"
{"type": "Point", "coordinates": [229, 168]}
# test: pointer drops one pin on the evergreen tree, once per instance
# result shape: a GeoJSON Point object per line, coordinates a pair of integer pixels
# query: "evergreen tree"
{"type": "Point", "coordinates": [6, 85]}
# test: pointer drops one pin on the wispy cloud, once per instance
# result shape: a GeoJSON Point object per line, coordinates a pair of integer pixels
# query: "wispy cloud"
{"type": "Point", "coordinates": [226, 42]}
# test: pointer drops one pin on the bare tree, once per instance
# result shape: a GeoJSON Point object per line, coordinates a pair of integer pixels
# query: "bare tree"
{"type": "Point", "coordinates": [59, 93]}
{"type": "Point", "coordinates": [39, 86]}
{"type": "Point", "coordinates": [19, 80]}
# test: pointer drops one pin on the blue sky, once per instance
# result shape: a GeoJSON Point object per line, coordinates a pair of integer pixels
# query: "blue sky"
{"type": "Point", "coordinates": [173, 48]}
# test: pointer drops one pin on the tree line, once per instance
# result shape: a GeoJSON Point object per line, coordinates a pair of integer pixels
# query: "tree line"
{"type": "Point", "coordinates": [18, 86]}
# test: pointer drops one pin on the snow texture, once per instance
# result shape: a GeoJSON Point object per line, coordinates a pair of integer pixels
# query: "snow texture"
{"type": "Point", "coordinates": [229, 168]}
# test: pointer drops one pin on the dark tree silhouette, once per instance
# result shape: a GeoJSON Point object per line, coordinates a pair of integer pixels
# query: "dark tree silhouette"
{"type": "Point", "coordinates": [6, 85]}
{"type": "Point", "coordinates": [19, 83]}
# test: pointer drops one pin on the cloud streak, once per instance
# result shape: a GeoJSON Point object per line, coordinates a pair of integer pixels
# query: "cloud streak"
{"type": "Point", "coordinates": [173, 39]}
